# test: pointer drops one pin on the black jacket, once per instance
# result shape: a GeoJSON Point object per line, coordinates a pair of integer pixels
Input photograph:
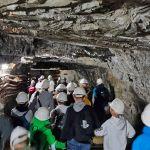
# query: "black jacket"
{"type": "Point", "coordinates": [73, 126]}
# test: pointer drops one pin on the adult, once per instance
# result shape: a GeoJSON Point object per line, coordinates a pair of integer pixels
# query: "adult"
{"type": "Point", "coordinates": [51, 84]}
{"type": "Point", "coordinates": [21, 115]}
{"type": "Point", "coordinates": [100, 101]}
{"type": "Point", "coordinates": [70, 90]}
{"type": "Point", "coordinates": [42, 98]}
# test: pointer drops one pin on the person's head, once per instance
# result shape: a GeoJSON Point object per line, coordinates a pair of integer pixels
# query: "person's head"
{"type": "Point", "coordinates": [45, 84]}
{"type": "Point", "coordinates": [49, 77]}
{"type": "Point", "coordinates": [42, 114]}
{"type": "Point", "coordinates": [146, 115]}
{"type": "Point", "coordinates": [22, 98]}
{"type": "Point", "coordinates": [84, 83]}
{"type": "Point", "coordinates": [61, 88]}
{"type": "Point", "coordinates": [79, 94]}
{"type": "Point", "coordinates": [116, 107]}
{"type": "Point", "coordinates": [61, 98]}
{"type": "Point", "coordinates": [70, 87]}
{"type": "Point", "coordinates": [41, 78]}
{"type": "Point", "coordinates": [32, 83]}
{"type": "Point", "coordinates": [99, 81]}
{"type": "Point", "coordinates": [19, 138]}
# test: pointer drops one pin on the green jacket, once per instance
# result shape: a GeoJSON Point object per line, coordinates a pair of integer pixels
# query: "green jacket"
{"type": "Point", "coordinates": [41, 135]}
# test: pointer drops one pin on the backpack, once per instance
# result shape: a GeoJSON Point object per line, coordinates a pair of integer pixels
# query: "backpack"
{"type": "Point", "coordinates": [21, 120]}
{"type": "Point", "coordinates": [39, 140]}
{"type": "Point", "coordinates": [36, 100]}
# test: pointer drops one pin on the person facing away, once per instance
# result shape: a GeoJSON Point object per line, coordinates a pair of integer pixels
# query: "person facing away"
{"type": "Point", "coordinates": [21, 115]}
{"type": "Point", "coordinates": [87, 98]}
{"type": "Point", "coordinates": [51, 84]}
{"type": "Point", "coordinates": [70, 90]}
{"type": "Point", "coordinates": [100, 101]}
{"type": "Point", "coordinates": [142, 142]}
{"type": "Point", "coordinates": [41, 136]}
{"type": "Point", "coordinates": [117, 129]}
{"type": "Point", "coordinates": [19, 139]}
{"type": "Point", "coordinates": [57, 115]}
{"type": "Point", "coordinates": [42, 97]}
{"type": "Point", "coordinates": [79, 123]}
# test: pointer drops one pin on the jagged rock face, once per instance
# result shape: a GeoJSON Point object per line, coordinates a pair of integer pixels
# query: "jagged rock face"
{"type": "Point", "coordinates": [112, 37]}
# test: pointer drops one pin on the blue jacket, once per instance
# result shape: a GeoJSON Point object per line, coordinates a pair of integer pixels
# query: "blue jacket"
{"type": "Point", "coordinates": [142, 142]}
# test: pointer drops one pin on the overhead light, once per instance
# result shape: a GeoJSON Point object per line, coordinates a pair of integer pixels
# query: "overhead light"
{"type": "Point", "coordinates": [4, 66]}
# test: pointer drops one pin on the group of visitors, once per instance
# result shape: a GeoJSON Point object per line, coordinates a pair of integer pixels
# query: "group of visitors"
{"type": "Point", "coordinates": [60, 115]}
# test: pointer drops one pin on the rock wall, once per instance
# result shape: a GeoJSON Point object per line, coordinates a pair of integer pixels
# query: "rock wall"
{"type": "Point", "coordinates": [108, 39]}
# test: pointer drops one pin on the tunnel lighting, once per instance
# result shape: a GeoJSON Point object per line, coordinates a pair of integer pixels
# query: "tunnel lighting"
{"type": "Point", "coordinates": [5, 66]}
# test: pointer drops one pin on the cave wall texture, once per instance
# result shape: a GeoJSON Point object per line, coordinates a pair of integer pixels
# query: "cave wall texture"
{"type": "Point", "coordinates": [110, 36]}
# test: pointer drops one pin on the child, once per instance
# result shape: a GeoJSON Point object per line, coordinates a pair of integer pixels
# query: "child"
{"type": "Point", "coordinates": [58, 114]}
{"type": "Point", "coordinates": [41, 135]}
{"type": "Point", "coordinates": [117, 129]}
{"type": "Point", "coordinates": [19, 139]}
{"type": "Point", "coordinates": [142, 142]}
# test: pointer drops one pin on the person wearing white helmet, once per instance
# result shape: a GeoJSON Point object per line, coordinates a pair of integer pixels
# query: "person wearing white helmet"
{"type": "Point", "coordinates": [6, 128]}
{"type": "Point", "coordinates": [51, 84]}
{"type": "Point", "coordinates": [19, 139]}
{"type": "Point", "coordinates": [57, 115]}
{"type": "Point", "coordinates": [70, 90]}
{"type": "Point", "coordinates": [79, 123]}
{"type": "Point", "coordinates": [21, 115]}
{"type": "Point", "coordinates": [43, 98]}
{"type": "Point", "coordinates": [61, 88]}
{"type": "Point", "coordinates": [142, 142]}
{"type": "Point", "coordinates": [100, 99]}
{"type": "Point", "coordinates": [88, 98]}
{"type": "Point", "coordinates": [41, 137]}
{"type": "Point", "coordinates": [31, 88]}
{"type": "Point", "coordinates": [117, 129]}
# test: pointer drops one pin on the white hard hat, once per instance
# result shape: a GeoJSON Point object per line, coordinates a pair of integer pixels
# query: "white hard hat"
{"type": "Point", "coordinates": [49, 77]}
{"type": "Point", "coordinates": [117, 105]}
{"type": "Point", "coordinates": [22, 98]}
{"type": "Point", "coordinates": [70, 86]}
{"type": "Point", "coordinates": [42, 77]}
{"type": "Point", "coordinates": [60, 87]}
{"type": "Point", "coordinates": [61, 97]}
{"type": "Point", "coordinates": [99, 81]}
{"type": "Point", "coordinates": [146, 115]}
{"type": "Point", "coordinates": [45, 84]}
{"type": "Point", "coordinates": [75, 85]}
{"type": "Point", "coordinates": [42, 114]}
{"type": "Point", "coordinates": [83, 81]}
{"type": "Point", "coordinates": [18, 135]}
{"type": "Point", "coordinates": [79, 92]}
{"type": "Point", "coordinates": [32, 82]}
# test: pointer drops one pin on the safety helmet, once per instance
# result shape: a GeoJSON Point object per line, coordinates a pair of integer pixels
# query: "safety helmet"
{"type": "Point", "coordinates": [49, 77]}
{"type": "Point", "coordinates": [22, 98]}
{"type": "Point", "coordinates": [42, 114]}
{"type": "Point", "coordinates": [45, 84]}
{"type": "Point", "coordinates": [70, 86]}
{"type": "Point", "coordinates": [32, 83]}
{"type": "Point", "coordinates": [146, 115]}
{"type": "Point", "coordinates": [60, 87]}
{"type": "Point", "coordinates": [42, 77]}
{"type": "Point", "coordinates": [79, 92]}
{"type": "Point", "coordinates": [117, 105]}
{"type": "Point", "coordinates": [18, 135]}
{"type": "Point", "coordinates": [83, 81]}
{"type": "Point", "coordinates": [61, 97]}
{"type": "Point", "coordinates": [99, 81]}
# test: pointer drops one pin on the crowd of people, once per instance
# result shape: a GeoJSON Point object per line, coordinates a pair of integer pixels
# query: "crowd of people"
{"type": "Point", "coordinates": [69, 116]}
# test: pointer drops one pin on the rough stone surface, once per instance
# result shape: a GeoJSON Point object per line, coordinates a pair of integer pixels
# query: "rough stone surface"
{"type": "Point", "coordinates": [107, 38]}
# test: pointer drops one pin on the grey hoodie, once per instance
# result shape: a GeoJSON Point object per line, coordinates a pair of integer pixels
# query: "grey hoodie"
{"type": "Point", "coordinates": [115, 132]}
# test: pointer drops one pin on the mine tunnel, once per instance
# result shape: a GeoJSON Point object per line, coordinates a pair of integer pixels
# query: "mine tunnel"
{"type": "Point", "coordinates": [77, 39]}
